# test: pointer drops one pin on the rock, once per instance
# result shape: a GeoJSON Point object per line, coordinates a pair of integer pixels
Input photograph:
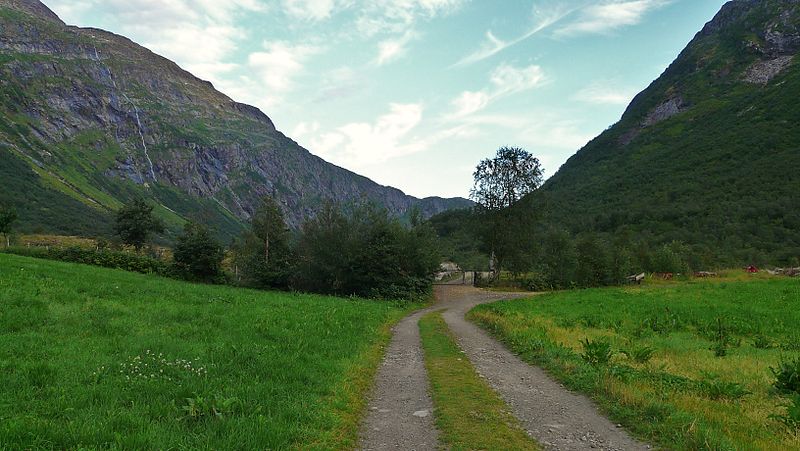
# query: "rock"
{"type": "Point", "coordinates": [421, 413]}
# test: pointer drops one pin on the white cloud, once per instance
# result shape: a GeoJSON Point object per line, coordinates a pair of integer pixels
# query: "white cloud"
{"type": "Point", "coordinates": [608, 16]}
{"type": "Point", "coordinates": [603, 94]}
{"type": "Point", "coordinates": [312, 10]}
{"type": "Point", "coordinates": [505, 80]}
{"type": "Point", "coordinates": [393, 49]}
{"type": "Point", "coordinates": [359, 144]}
{"type": "Point", "coordinates": [198, 34]}
{"type": "Point", "coordinates": [279, 63]}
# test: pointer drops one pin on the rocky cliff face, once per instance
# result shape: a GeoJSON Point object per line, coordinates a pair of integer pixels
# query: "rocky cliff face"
{"type": "Point", "coordinates": [708, 154]}
{"type": "Point", "coordinates": [98, 119]}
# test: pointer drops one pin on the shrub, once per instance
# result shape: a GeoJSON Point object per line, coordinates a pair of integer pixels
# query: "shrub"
{"type": "Point", "coordinates": [97, 257]}
{"type": "Point", "coordinates": [597, 352]}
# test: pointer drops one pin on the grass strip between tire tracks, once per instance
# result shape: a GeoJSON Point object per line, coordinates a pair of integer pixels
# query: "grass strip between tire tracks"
{"type": "Point", "coordinates": [469, 414]}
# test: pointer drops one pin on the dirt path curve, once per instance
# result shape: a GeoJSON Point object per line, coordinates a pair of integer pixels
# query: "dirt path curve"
{"type": "Point", "coordinates": [555, 417]}
{"type": "Point", "coordinates": [400, 414]}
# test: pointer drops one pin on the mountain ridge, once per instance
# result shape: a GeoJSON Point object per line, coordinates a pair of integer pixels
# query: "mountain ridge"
{"type": "Point", "coordinates": [99, 119]}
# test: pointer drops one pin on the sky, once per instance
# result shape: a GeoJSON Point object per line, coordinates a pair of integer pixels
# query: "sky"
{"type": "Point", "coordinates": [414, 93]}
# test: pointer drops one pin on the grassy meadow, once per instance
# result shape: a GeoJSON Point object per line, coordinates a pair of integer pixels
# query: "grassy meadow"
{"type": "Point", "coordinates": [98, 358]}
{"type": "Point", "coordinates": [685, 365]}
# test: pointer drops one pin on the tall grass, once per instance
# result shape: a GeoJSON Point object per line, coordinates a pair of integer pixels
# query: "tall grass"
{"type": "Point", "coordinates": [93, 357]}
{"type": "Point", "coordinates": [681, 393]}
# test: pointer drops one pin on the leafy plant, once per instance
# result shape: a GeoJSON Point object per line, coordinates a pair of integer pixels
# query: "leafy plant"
{"type": "Point", "coordinates": [718, 389]}
{"type": "Point", "coordinates": [761, 342]}
{"type": "Point", "coordinates": [597, 352]}
{"type": "Point", "coordinates": [641, 354]}
{"type": "Point", "coordinates": [787, 376]}
{"type": "Point", "coordinates": [791, 418]}
{"type": "Point", "coordinates": [722, 340]}
{"type": "Point", "coordinates": [217, 406]}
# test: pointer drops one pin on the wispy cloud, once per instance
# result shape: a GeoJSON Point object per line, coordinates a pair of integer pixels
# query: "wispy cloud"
{"type": "Point", "coordinates": [504, 80]}
{"type": "Point", "coordinates": [309, 10]}
{"type": "Point", "coordinates": [397, 16]}
{"type": "Point", "coordinates": [494, 45]}
{"type": "Point", "coordinates": [608, 16]}
{"type": "Point", "coordinates": [393, 49]}
{"type": "Point", "coordinates": [604, 94]}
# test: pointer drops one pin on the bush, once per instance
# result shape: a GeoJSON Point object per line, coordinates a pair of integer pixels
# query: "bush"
{"type": "Point", "coordinates": [97, 257]}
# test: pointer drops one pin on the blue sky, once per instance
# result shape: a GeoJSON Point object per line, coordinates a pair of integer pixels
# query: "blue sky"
{"type": "Point", "coordinates": [413, 93]}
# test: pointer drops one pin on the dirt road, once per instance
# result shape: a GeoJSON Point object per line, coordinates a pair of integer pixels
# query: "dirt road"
{"type": "Point", "coordinates": [400, 415]}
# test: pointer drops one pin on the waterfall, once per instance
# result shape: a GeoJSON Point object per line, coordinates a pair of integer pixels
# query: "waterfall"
{"type": "Point", "coordinates": [135, 112]}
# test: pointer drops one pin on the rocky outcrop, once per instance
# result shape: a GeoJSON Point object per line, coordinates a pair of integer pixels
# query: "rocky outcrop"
{"type": "Point", "coordinates": [761, 72]}
{"type": "Point", "coordinates": [152, 125]}
{"type": "Point", "coordinates": [664, 111]}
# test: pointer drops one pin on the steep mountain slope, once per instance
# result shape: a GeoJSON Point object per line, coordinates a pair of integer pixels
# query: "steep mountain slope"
{"type": "Point", "coordinates": [709, 154]}
{"type": "Point", "coordinates": [89, 119]}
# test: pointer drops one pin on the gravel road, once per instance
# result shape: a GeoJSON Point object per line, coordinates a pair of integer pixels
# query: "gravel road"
{"type": "Point", "coordinates": [400, 414]}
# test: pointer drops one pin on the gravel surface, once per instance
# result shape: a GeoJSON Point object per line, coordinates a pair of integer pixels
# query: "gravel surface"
{"type": "Point", "coordinates": [556, 417]}
{"type": "Point", "coordinates": [400, 414]}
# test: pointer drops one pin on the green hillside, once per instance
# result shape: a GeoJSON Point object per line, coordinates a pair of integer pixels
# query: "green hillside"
{"type": "Point", "coordinates": [709, 154]}
{"type": "Point", "coordinates": [93, 358]}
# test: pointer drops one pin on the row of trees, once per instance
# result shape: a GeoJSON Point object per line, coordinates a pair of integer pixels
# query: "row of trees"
{"type": "Point", "coordinates": [362, 251]}
{"type": "Point", "coordinates": [506, 227]}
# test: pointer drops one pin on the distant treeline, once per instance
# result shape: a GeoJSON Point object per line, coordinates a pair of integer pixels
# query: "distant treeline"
{"type": "Point", "coordinates": [547, 257]}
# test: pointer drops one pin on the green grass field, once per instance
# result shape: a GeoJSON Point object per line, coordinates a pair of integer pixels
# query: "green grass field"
{"type": "Point", "coordinates": [97, 358]}
{"type": "Point", "coordinates": [665, 380]}
{"type": "Point", "coordinates": [469, 413]}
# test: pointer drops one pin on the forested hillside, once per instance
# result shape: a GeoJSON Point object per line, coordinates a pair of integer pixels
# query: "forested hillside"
{"type": "Point", "coordinates": [709, 154]}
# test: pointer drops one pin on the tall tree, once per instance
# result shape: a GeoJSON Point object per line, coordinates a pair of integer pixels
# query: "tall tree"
{"type": "Point", "coordinates": [500, 184]}
{"type": "Point", "coordinates": [7, 217]}
{"type": "Point", "coordinates": [269, 225]}
{"type": "Point", "coordinates": [263, 253]}
{"type": "Point", "coordinates": [197, 254]}
{"type": "Point", "coordinates": [135, 223]}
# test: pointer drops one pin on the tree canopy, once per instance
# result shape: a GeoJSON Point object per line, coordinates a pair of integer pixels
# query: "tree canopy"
{"type": "Point", "coordinates": [135, 223]}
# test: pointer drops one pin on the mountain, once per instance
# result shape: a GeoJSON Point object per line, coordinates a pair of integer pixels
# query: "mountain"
{"type": "Point", "coordinates": [89, 119]}
{"type": "Point", "coordinates": [709, 153]}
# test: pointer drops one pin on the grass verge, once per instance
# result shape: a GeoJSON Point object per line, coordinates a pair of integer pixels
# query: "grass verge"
{"type": "Point", "coordinates": [683, 365]}
{"type": "Point", "coordinates": [469, 414]}
{"type": "Point", "coordinates": [100, 358]}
